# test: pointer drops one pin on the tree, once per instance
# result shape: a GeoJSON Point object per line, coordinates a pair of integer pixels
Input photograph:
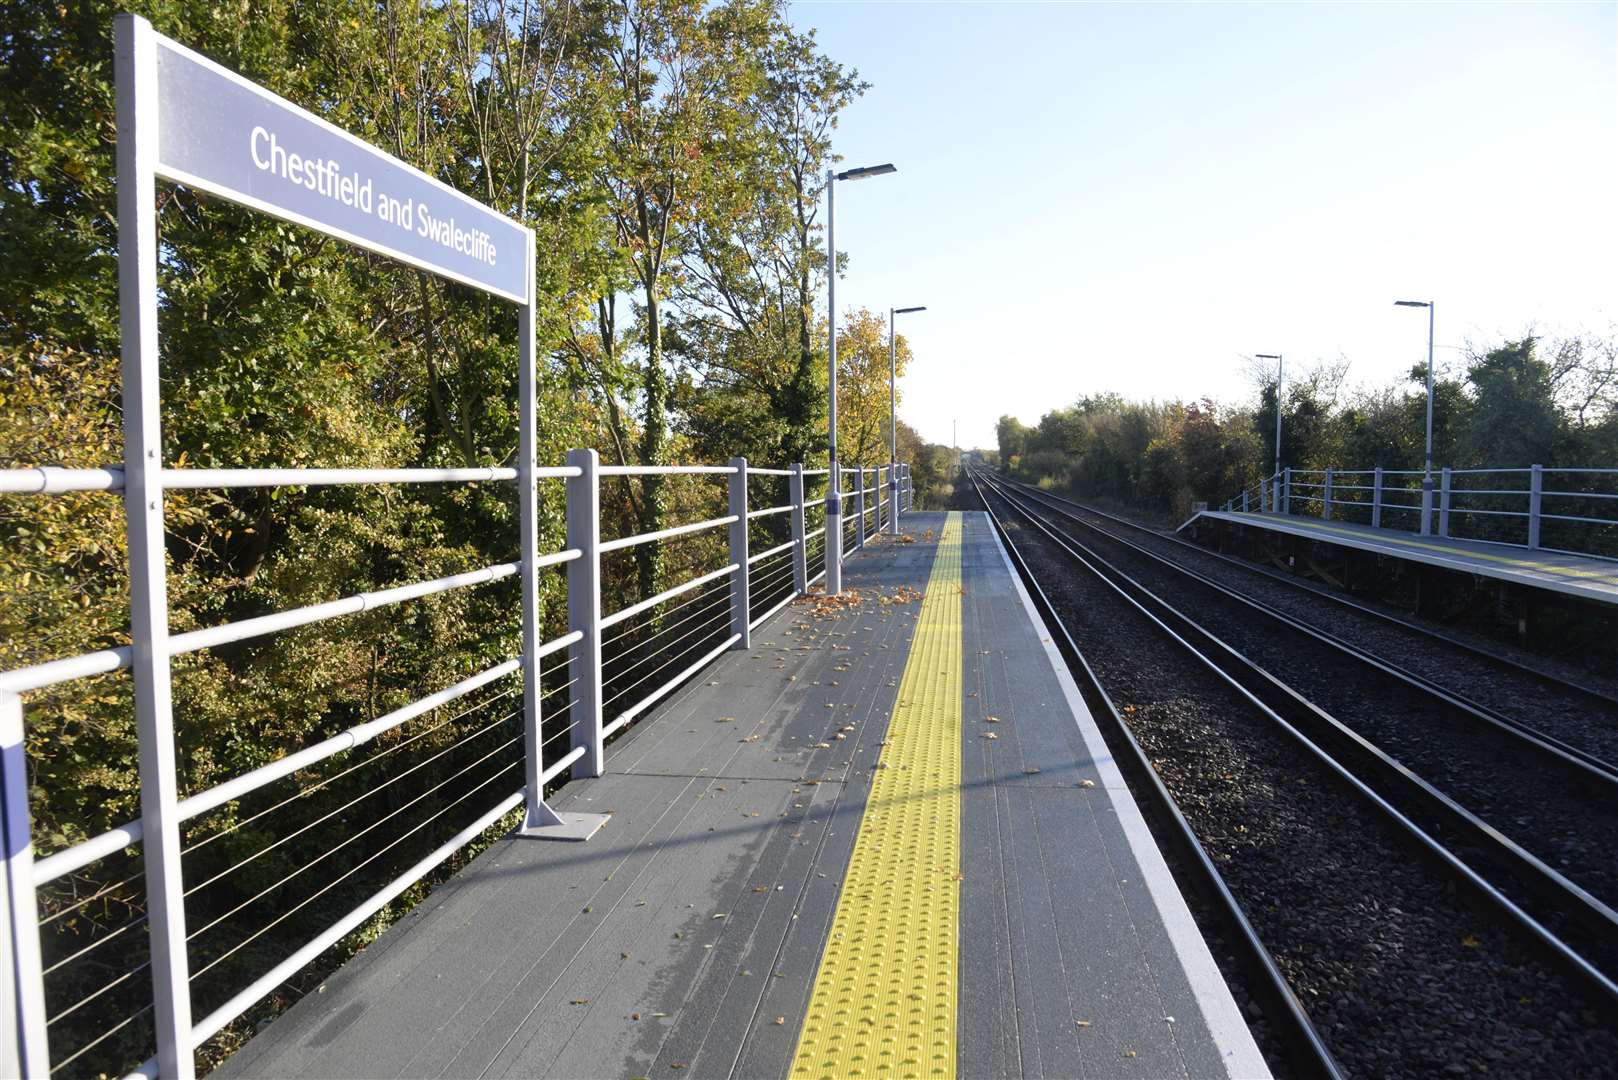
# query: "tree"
{"type": "Point", "coordinates": [1011, 436]}
{"type": "Point", "coordinates": [753, 266]}
{"type": "Point", "coordinates": [679, 75]}
{"type": "Point", "coordinates": [862, 386]}
{"type": "Point", "coordinates": [1514, 419]}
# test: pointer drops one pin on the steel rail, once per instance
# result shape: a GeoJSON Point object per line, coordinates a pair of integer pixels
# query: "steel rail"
{"type": "Point", "coordinates": [1348, 603]}
{"type": "Point", "coordinates": [1306, 1050]}
{"type": "Point", "coordinates": [1595, 769]}
{"type": "Point", "coordinates": [1273, 698]}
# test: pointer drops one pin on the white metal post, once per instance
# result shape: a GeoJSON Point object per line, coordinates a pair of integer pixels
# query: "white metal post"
{"type": "Point", "coordinates": [1325, 504]}
{"type": "Point", "coordinates": [1286, 490]}
{"type": "Point", "coordinates": [1244, 501]}
{"type": "Point", "coordinates": [859, 508]}
{"type": "Point", "coordinates": [834, 498]}
{"type": "Point", "coordinates": [1443, 503]}
{"type": "Point", "coordinates": [800, 545]}
{"type": "Point", "coordinates": [25, 1051]}
{"type": "Point", "coordinates": [1536, 496]}
{"type": "Point", "coordinates": [740, 589]}
{"type": "Point", "coordinates": [1376, 499]}
{"type": "Point", "coordinates": [540, 822]}
{"type": "Point", "coordinates": [584, 607]}
{"type": "Point", "coordinates": [538, 814]}
{"type": "Point", "coordinates": [135, 51]}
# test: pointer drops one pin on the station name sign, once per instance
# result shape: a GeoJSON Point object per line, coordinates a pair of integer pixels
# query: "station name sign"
{"type": "Point", "coordinates": [223, 134]}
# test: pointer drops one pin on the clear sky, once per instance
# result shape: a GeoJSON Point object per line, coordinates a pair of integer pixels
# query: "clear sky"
{"type": "Point", "coordinates": [1134, 197]}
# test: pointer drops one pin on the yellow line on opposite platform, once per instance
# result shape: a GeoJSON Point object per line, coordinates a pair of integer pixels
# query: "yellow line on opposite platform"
{"type": "Point", "coordinates": [1454, 550]}
{"type": "Point", "coordinates": [883, 1002]}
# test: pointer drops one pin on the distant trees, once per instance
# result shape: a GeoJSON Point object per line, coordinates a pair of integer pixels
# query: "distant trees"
{"type": "Point", "coordinates": [1518, 403]}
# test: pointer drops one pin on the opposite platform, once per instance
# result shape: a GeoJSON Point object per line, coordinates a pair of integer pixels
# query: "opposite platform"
{"type": "Point", "coordinates": [690, 936]}
{"type": "Point", "coordinates": [1584, 576]}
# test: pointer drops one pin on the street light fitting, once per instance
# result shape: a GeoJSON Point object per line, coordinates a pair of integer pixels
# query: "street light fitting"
{"type": "Point", "coordinates": [908, 310]}
{"type": "Point", "coordinates": [1412, 303]}
{"type": "Point", "coordinates": [1266, 356]}
{"type": "Point", "coordinates": [866, 171]}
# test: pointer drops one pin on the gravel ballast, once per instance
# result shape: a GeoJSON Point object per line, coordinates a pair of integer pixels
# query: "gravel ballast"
{"type": "Point", "coordinates": [1399, 973]}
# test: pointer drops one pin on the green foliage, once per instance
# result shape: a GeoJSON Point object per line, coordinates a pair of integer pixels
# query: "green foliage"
{"type": "Point", "coordinates": [669, 156]}
{"type": "Point", "coordinates": [1513, 408]}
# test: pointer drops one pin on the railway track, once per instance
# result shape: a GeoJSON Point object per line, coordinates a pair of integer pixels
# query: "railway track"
{"type": "Point", "coordinates": [1307, 830]}
{"type": "Point", "coordinates": [1559, 818]}
{"type": "Point", "coordinates": [1561, 707]}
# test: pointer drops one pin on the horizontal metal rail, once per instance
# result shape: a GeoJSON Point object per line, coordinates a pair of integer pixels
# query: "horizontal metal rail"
{"type": "Point", "coordinates": [776, 550]}
{"type": "Point", "coordinates": [666, 470]}
{"type": "Point", "coordinates": [86, 852]}
{"type": "Point", "coordinates": [1443, 499]}
{"type": "Point", "coordinates": [51, 480]}
{"type": "Point", "coordinates": [213, 636]}
{"type": "Point", "coordinates": [783, 580]}
{"type": "Point", "coordinates": [667, 594]}
{"type": "Point", "coordinates": [663, 534]}
{"type": "Point", "coordinates": [657, 695]}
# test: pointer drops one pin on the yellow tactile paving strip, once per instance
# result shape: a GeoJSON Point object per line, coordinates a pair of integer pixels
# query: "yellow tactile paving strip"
{"type": "Point", "coordinates": [883, 1002]}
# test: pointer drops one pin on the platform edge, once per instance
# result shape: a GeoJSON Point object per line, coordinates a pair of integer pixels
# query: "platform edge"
{"type": "Point", "coordinates": [1227, 1028]}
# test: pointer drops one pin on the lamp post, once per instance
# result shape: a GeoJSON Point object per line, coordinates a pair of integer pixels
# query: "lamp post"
{"type": "Point", "coordinates": [834, 498]}
{"type": "Point", "coordinates": [1427, 466]}
{"type": "Point", "coordinates": [1278, 366]}
{"type": "Point", "coordinates": [893, 417]}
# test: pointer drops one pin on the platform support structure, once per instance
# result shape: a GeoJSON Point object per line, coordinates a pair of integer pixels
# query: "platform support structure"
{"type": "Point", "coordinates": [25, 1051]}
{"type": "Point", "coordinates": [893, 498]}
{"type": "Point", "coordinates": [800, 543]}
{"type": "Point", "coordinates": [1443, 502]}
{"type": "Point", "coordinates": [135, 75]}
{"type": "Point", "coordinates": [1376, 498]}
{"type": "Point", "coordinates": [584, 608]}
{"type": "Point", "coordinates": [540, 822]}
{"type": "Point", "coordinates": [859, 507]}
{"type": "Point", "coordinates": [1536, 497]}
{"type": "Point", "coordinates": [740, 581]}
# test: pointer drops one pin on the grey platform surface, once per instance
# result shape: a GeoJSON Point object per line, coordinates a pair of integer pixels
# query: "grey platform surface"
{"type": "Point", "coordinates": [672, 942]}
{"type": "Point", "coordinates": [1559, 571]}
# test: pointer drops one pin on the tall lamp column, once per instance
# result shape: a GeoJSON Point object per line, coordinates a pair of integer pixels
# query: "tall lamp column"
{"type": "Point", "coordinates": [834, 497]}
{"type": "Point", "coordinates": [893, 417]}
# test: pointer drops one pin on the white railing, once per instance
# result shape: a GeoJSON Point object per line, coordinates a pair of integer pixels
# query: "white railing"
{"type": "Point", "coordinates": [1572, 510]}
{"type": "Point", "coordinates": [607, 669]}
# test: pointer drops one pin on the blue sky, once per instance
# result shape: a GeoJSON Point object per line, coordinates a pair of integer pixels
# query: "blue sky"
{"type": "Point", "coordinates": [1133, 197]}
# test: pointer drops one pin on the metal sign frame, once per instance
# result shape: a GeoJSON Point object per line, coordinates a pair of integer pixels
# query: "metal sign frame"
{"type": "Point", "coordinates": [140, 165]}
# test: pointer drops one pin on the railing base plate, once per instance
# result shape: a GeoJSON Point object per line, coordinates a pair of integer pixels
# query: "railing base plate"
{"type": "Point", "coordinates": [566, 827]}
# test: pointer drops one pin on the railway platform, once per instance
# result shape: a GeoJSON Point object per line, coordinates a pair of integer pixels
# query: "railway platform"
{"type": "Point", "coordinates": [1584, 576]}
{"type": "Point", "coordinates": [887, 841]}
